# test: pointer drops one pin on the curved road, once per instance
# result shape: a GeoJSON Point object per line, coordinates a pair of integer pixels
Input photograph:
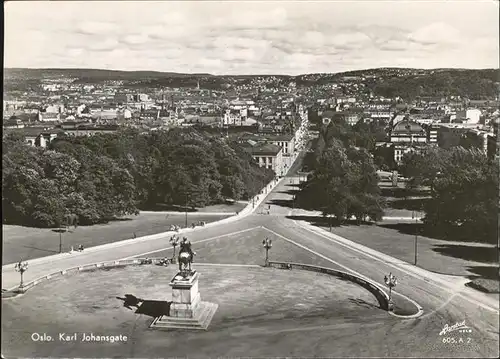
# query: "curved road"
{"type": "Point", "coordinates": [445, 300]}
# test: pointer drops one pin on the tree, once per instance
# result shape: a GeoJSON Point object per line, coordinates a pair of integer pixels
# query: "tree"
{"type": "Point", "coordinates": [344, 184]}
{"type": "Point", "coordinates": [423, 168]}
{"type": "Point", "coordinates": [114, 191]}
{"type": "Point", "coordinates": [465, 196]}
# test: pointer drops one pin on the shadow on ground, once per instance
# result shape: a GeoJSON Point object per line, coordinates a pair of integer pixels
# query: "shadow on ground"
{"type": "Point", "coordinates": [41, 249]}
{"type": "Point", "coordinates": [399, 192]}
{"type": "Point", "coordinates": [471, 253]}
{"type": "Point", "coordinates": [177, 208]}
{"type": "Point", "coordinates": [415, 204]}
{"type": "Point", "coordinates": [363, 303]}
{"type": "Point", "coordinates": [282, 202]}
{"type": "Point", "coordinates": [291, 191]}
{"type": "Point", "coordinates": [436, 233]}
{"type": "Point", "coordinates": [151, 308]}
{"type": "Point", "coordinates": [321, 221]}
{"type": "Point", "coordinates": [403, 306]}
{"type": "Point", "coordinates": [488, 272]}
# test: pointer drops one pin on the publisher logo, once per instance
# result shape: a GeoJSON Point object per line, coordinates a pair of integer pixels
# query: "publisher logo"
{"type": "Point", "coordinates": [458, 326]}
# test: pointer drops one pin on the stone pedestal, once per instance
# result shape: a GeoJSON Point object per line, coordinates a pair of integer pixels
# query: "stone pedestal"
{"type": "Point", "coordinates": [185, 296]}
{"type": "Point", "coordinates": [187, 311]}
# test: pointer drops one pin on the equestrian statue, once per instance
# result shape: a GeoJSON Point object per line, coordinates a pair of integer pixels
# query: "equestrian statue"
{"type": "Point", "coordinates": [185, 257]}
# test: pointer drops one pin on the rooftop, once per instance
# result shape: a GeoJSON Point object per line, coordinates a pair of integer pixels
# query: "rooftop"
{"type": "Point", "coordinates": [407, 126]}
{"type": "Point", "coordinates": [265, 149]}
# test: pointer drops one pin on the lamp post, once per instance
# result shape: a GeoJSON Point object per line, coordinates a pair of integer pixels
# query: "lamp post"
{"type": "Point", "coordinates": [21, 267]}
{"type": "Point", "coordinates": [186, 210]}
{"type": "Point", "coordinates": [174, 241]}
{"type": "Point", "coordinates": [414, 215]}
{"type": "Point", "coordinates": [60, 240]}
{"type": "Point", "coordinates": [267, 243]}
{"type": "Point", "coordinates": [390, 281]}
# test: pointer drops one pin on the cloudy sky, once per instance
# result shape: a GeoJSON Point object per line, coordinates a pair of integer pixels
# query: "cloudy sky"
{"type": "Point", "coordinates": [252, 37]}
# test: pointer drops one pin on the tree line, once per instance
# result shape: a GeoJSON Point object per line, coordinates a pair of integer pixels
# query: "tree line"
{"type": "Point", "coordinates": [464, 188]}
{"type": "Point", "coordinates": [105, 176]}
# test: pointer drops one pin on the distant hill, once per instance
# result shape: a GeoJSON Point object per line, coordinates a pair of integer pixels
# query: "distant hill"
{"type": "Point", "coordinates": [94, 74]}
{"type": "Point", "coordinates": [389, 82]}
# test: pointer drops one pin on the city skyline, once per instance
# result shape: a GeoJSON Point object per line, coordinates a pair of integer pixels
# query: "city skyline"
{"type": "Point", "coordinates": [229, 38]}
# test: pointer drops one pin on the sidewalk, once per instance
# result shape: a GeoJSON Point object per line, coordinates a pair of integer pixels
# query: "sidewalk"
{"type": "Point", "coordinates": [190, 214]}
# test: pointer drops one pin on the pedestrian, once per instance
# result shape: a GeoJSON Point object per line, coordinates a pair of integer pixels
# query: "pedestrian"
{"type": "Point", "coordinates": [135, 236]}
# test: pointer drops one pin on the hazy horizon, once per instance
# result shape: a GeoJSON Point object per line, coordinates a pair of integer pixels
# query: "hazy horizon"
{"type": "Point", "coordinates": [222, 74]}
{"type": "Point", "coordinates": [252, 38]}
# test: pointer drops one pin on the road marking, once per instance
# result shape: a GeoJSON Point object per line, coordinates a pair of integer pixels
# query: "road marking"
{"type": "Point", "coordinates": [441, 284]}
{"type": "Point", "coordinates": [229, 265]}
{"type": "Point", "coordinates": [183, 214]}
{"type": "Point", "coordinates": [401, 218]}
{"type": "Point", "coordinates": [440, 307]}
{"type": "Point", "coordinates": [203, 240]}
{"type": "Point", "coordinates": [419, 307]}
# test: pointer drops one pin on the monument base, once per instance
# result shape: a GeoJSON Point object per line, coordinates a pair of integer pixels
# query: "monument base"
{"type": "Point", "coordinates": [187, 311]}
{"type": "Point", "coordinates": [201, 320]}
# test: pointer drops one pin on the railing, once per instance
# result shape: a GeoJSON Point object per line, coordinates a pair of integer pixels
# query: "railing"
{"type": "Point", "coordinates": [382, 297]}
{"type": "Point", "coordinates": [94, 266]}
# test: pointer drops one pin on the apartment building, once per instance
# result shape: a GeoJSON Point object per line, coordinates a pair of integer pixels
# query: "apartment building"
{"type": "Point", "coordinates": [269, 156]}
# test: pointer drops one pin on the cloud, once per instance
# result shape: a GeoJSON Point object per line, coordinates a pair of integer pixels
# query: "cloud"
{"type": "Point", "coordinates": [436, 33]}
{"type": "Point", "coordinates": [395, 45]}
{"type": "Point", "coordinates": [135, 39]}
{"type": "Point", "coordinates": [240, 55]}
{"type": "Point", "coordinates": [97, 28]}
{"type": "Point", "coordinates": [203, 63]}
{"type": "Point", "coordinates": [241, 20]}
{"type": "Point", "coordinates": [75, 52]}
{"type": "Point", "coordinates": [354, 40]}
{"type": "Point", "coordinates": [105, 45]}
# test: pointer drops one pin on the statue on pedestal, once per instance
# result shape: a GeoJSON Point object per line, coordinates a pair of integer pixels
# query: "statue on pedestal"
{"type": "Point", "coordinates": [185, 257]}
{"type": "Point", "coordinates": [186, 310]}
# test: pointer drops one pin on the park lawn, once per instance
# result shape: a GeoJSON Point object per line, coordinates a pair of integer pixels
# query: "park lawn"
{"type": "Point", "coordinates": [397, 212]}
{"type": "Point", "coordinates": [246, 248]}
{"type": "Point", "coordinates": [224, 208]}
{"type": "Point", "coordinates": [397, 205]}
{"type": "Point", "coordinates": [29, 243]}
{"type": "Point", "coordinates": [228, 207]}
{"type": "Point", "coordinates": [445, 257]}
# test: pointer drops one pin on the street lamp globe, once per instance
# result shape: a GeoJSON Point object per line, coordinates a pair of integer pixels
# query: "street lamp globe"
{"type": "Point", "coordinates": [21, 267]}
{"type": "Point", "coordinates": [267, 243]}
{"type": "Point", "coordinates": [391, 281]}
